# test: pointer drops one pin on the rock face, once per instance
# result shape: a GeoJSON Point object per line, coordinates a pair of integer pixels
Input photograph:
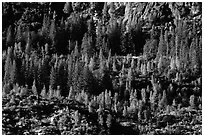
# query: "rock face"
{"type": "Point", "coordinates": [158, 13]}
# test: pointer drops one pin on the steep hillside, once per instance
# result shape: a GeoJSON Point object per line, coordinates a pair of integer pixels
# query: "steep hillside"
{"type": "Point", "coordinates": [102, 68]}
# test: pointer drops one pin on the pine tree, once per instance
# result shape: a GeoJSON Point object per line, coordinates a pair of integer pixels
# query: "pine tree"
{"type": "Point", "coordinates": [101, 120]}
{"type": "Point", "coordinates": [71, 93]}
{"type": "Point", "coordinates": [166, 41]}
{"type": "Point", "coordinates": [58, 92]}
{"type": "Point", "coordinates": [163, 101]}
{"type": "Point", "coordinates": [192, 101]}
{"type": "Point", "coordinates": [195, 55]}
{"type": "Point", "coordinates": [172, 64]}
{"type": "Point", "coordinates": [8, 66]}
{"type": "Point", "coordinates": [143, 94]}
{"type": "Point", "coordinates": [87, 47]}
{"type": "Point", "coordinates": [114, 65]}
{"type": "Point", "coordinates": [125, 113]}
{"type": "Point", "coordinates": [105, 13]}
{"type": "Point", "coordinates": [88, 80]}
{"type": "Point", "coordinates": [130, 75]}
{"type": "Point", "coordinates": [172, 47]}
{"type": "Point", "coordinates": [76, 51]}
{"type": "Point", "coordinates": [28, 43]}
{"type": "Point", "coordinates": [52, 32]}
{"type": "Point", "coordinates": [46, 26]}
{"type": "Point", "coordinates": [19, 36]}
{"type": "Point", "coordinates": [14, 73]}
{"type": "Point", "coordinates": [162, 45]}
{"type": "Point", "coordinates": [109, 121]}
{"type": "Point", "coordinates": [34, 89]}
{"type": "Point", "coordinates": [9, 37]}
{"type": "Point", "coordinates": [99, 36]}
{"type": "Point", "coordinates": [53, 78]}
{"type": "Point", "coordinates": [160, 63]}
{"type": "Point", "coordinates": [76, 76]}
{"type": "Point", "coordinates": [91, 64]}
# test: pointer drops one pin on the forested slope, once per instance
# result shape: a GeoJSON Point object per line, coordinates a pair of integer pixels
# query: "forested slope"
{"type": "Point", "coordinates": [96, 67]}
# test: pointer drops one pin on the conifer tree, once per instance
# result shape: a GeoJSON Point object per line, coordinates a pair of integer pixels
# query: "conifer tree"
{"type": "Point", "coordinates": [162, 45]}
{"type": "Point", "coordinates": [52, 32]}
{"type": "Point", "coordinates": [14, 73]}
{"type": "Point", "coordinates": [8, 65]}
{"type": "Point", "coordinates": [130, 76]}
{"type": "Point", "coordinates": [53, 78]}
{"type": "Point", "coordinates": [163, 101]}
{"type": "Point", "coordinates": [19, 36]}
{"type": "Point", "coordinates": [46, 26]}
{"type": "Point", "coordinates": [105, 13]}
{"type": "Point", "coordinates": [109, 121]}
{"type": "Point", "coordinates": [9, 37]}
{"type": "Point", "coordinates": [87, 47]}
{"type": "Point", "coordinates": [58, 92]}
{"type": "Point", "coordinates": [166, 42]}
{"type": "Point", "coordinates": [99, 36]}
{"type": "Point", "coordinates": [143, 94]}
{"type": "Point", "coordinates": [125, 111]}
{"type": "Point", "coordinates": [71, 93]}
{"type": "Point", "coordinates": [43, 93]}
{"type": "Point", "coordinates": [114, 65]}
{"type": "Point", "coordinates": [28, 43]}
{"type": "Point", "coordinates": [34, 89]}
{"type": "Point", "coordinates": [192, 101]}
{"type": "Point", "coordinates": [172, 47]}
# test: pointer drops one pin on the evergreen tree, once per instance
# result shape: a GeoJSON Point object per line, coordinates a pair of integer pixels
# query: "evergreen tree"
{"type": "Point", "coordinates": [8, 65]}
{"type": "Point", "coordinates": [53, 78]}
{"type": "Point", "coordinates": [46, 26]}
{"type": "Point", "coordinates": [87, 45]}
{"type": "Point", "coordinates": [52, 32]}
{"type": "Point", "coordinates": [162, 45]}
{"type": "Point", "coordinates": [19, 35]}
{"type": "Point", "coordinates": [91, 64]}
{"type": "Point", "coordinates": [28, 43]}
{"type": "Point", "coordinates": [22, 73]}
{"type": "Point", "coordinates": [163, 101]}
{"type": "Point", "coordinates": [192, 101]}
{"type": "Point", "coordinates": [88, 80]}
{"type": "Point", "coordinates": [194, 56]}
{"type": "Point", "coordinates": [166, 43]}
{"type": "Point", "coordinates": [9, 37]}
{"type": "Point", "coordinates": [105, 13]}
{"type": "Point", "coordinates": [14, 73]}
{"type": "Point", "coordinates": [99, 36]}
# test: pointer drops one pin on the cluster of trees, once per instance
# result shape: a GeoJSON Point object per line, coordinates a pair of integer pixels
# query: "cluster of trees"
{"type": "Point", "coordinates": [182, 43]}
{"type": "Point", "coordinates": [78, 51]}
{"type": "Point", "coordinates": [77, 24]}
{"type": "Point", "coordinates": [77, 54]}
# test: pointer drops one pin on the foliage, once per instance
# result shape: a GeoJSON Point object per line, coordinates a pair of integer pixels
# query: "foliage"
{"type": "Point", "coordinates": [64, 73]}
